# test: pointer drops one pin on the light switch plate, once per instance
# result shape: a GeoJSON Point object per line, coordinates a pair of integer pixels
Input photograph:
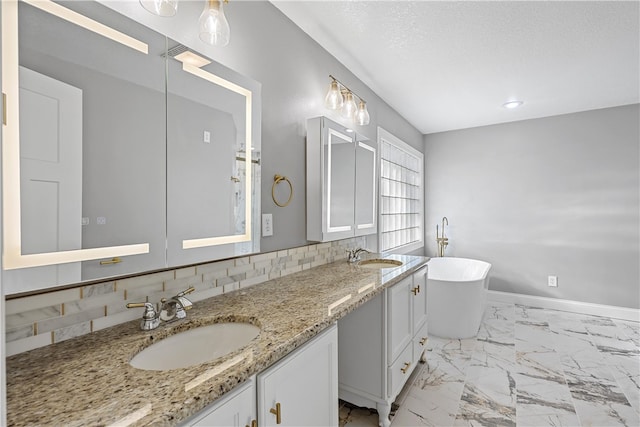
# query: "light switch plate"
{"type": "Point", "coordinates": [552, 281]}
{"type": "Point", "coordinates": [267, 225]}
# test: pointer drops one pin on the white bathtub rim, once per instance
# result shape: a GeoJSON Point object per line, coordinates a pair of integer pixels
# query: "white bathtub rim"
{"type": "Point", "coordinates": [487, 268]}
{"type": "Point", "coordinates": [571, 306]}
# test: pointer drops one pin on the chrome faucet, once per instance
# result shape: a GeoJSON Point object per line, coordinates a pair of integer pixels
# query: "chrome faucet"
{"type": "Point", "coordinates": [354, 254]}
{"type": "Point", "coordinates": [150, 319]}
{"type": "Point", "coordinates": [170, 309]}
{"type": "Point", "coordinates": [176, 307]}
{"type": "Point", "coordinates": [443, 241]}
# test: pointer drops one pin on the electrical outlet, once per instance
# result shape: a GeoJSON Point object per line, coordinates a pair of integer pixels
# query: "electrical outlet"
{"type": "Point", "coordinates": [267, 225]}
{"type": "Point", "coordinates": [206, 136]}
{"type": "Point", "coordinates": [552, 281]}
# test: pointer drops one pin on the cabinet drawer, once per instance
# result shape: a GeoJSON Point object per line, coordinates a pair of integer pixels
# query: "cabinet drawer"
{"type": "Point", "coordinates": [419, 342]}
{"type": "Point", "coordinates": [399, 372]}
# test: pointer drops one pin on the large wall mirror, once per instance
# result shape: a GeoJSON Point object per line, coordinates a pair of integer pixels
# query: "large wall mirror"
{"type": "Point", "coordinates": [118, 158]}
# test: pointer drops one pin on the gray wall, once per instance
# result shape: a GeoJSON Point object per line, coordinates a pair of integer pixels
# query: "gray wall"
{"type": "Point", "coordinates": [294, 72]}
{"type": "Point", "coordinates": [552, 196]}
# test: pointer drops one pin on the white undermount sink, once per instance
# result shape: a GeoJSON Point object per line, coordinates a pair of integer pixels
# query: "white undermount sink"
{"type": "Point", "coordinates": [195, 346]}
{"type": "Point", "coordinates": [380, 263]}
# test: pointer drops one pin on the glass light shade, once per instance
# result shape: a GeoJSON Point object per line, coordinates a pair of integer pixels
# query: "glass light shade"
{"type": "Point", "coordinates": [161, 7]}
{"type": "Point", "coordinates": [333, 100]}
{"type": "Point", "coordinates": [349, 108]}
{"type": "Point", "coordinates": [214, 28]}
{"type": "Point", "coordinates": [362, 115]}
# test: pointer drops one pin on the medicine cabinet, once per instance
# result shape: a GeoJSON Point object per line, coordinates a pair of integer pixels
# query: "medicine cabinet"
{"type": "Point", "coordinates": [120, 155]}
{"type": "Point", "coordinates": [341, 182]}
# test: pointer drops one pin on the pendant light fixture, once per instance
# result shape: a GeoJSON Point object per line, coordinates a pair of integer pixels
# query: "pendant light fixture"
{"type": "Point", "coordinates": [349, 108]}
{"type": "Point", "coordinates": [161, 7]}
{"type": "Point", "coordinates": [340, 97]}
{"type": "Point", "coordinates": [334, 99]}
{"type": "Point", "coordinates": [362, 115]}
{"type": "Point", "coordinates": [213, 25]}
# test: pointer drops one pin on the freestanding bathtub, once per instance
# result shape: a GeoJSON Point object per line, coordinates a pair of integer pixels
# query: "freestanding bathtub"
{"type": "Point", "coordinates": [456, 296]}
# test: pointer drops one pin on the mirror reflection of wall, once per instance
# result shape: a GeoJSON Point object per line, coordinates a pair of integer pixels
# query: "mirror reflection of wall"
{"type": "Point", "coordinates": [206, 146]}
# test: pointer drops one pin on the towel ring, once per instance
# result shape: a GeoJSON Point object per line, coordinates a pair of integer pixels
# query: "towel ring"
{"type": "Point", "coordinates": [276, 180]}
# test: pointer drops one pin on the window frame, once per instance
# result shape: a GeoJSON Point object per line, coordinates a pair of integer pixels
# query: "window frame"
{"type": "Point", "coordinates": [385, 137]}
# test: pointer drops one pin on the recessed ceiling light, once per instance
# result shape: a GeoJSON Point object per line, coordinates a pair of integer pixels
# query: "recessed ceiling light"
{"type": "Point", "coordinates": [512, 104]}
{"type": "Point", "coordinates": [349, 130]}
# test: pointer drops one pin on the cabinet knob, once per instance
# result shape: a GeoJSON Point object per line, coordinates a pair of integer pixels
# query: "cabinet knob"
{"type": "Point", "coordinates": [423, 340]}
{"type": "Point", "coordinates": [277, 412]}
{"type": "Point", "coordinates": [406, 367]}
{"type": "Point", "coordinates": [415, 290]}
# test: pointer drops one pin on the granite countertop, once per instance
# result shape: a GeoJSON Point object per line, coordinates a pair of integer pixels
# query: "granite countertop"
{"type": "Point", "coordinates": [88, 380]}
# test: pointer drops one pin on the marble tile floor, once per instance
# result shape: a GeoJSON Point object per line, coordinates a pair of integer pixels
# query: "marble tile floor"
{"type": "Point", "coordinates": [527, 367]}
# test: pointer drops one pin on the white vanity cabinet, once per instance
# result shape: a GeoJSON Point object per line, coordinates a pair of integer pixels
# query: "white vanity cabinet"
{"type": "Point", "coordinates": [341, 182]}
{"type": "Point", "coordinates": [302, 389]}
{"type": "Point", "coordinates": [299, 390]}
{"type": "Point", "coordinates": [381, 343]}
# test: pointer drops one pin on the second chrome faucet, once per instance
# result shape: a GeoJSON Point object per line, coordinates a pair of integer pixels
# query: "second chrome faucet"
{"type": "Point", "coordinates": [171, 309]}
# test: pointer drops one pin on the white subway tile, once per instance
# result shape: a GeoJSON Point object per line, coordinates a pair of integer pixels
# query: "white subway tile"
{"type": "Point", "coordinates": [26, 344]}
{"type": "Point", "coordinates": [34, 302]}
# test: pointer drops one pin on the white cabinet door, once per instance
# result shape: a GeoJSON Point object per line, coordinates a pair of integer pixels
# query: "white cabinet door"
{"type": "Point", "coordinates": [399, 318]}
{"type": "Point", "coordinates": [341, 182]}
{"type": "Point", "coordinates": [236, 409]}
{"type": "Point", "coordinates": [366, 180]}
{"type": "Point", "coordinates": [419, 297]}
{"type": "Point", "coordinates": [302, 389]}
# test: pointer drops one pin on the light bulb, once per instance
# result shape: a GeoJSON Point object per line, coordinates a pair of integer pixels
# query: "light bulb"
{"type": "Point", "coordinates": [362, 115]}
{"type": "Point", "coordinates": [349, 108]}
{"type": "Point", "coordinates": [214, 28]}
{"type": "Point", "coordinates": [333, 100]}
{"type": "Point", "coordinates": [161, 7]}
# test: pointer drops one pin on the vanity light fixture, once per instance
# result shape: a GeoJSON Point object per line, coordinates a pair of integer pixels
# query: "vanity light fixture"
{"type": "Point", "coordinates": [340, 97]}
{"type": "Point", "coordinates": [512, 104]}
{"type": "Point", "coordinates": [213, 26]}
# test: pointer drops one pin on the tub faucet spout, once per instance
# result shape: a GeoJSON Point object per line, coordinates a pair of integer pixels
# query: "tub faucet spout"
{"type": "Point", "coordinates": [443, 241]}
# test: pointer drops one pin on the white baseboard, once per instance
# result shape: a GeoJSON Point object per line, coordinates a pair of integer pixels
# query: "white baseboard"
{"type": "Point", "coordinates": [612, 311]}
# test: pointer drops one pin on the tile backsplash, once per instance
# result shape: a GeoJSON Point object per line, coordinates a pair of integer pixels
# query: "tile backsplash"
{"type": "Point", "coordinates": [39, 320]}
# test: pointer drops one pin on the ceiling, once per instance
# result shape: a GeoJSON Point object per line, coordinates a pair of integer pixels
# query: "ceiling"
{"type": "Point", "coordinates": [451, 65]}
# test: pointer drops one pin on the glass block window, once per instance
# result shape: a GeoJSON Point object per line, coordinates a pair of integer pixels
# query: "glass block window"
{"type": "Point", "coordinates": [401, 195]}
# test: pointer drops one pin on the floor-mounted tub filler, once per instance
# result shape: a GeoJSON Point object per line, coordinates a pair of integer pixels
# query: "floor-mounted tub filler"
{"type": "Point", "coordinates": [456, 296]}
